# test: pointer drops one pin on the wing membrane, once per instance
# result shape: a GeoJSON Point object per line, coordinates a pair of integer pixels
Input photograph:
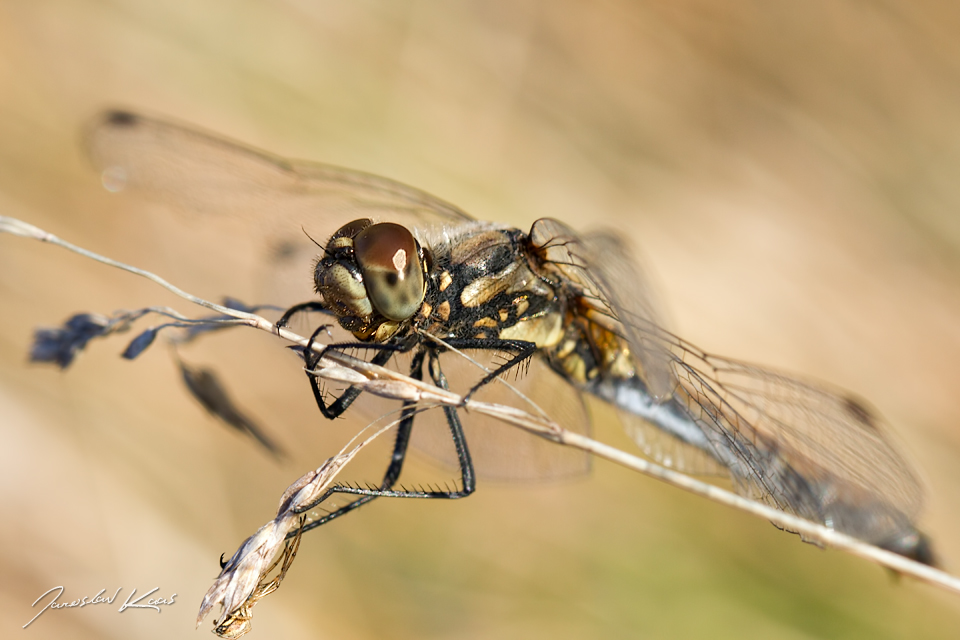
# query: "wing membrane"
{"type": "Point", "coordinates": [257, 203]}
{"type": "Point", "coordinates": [212, 175]}
{"type": "Point", "coordinates": [501, 451]}
{"type": "Point", "coordinates": [805, 448]}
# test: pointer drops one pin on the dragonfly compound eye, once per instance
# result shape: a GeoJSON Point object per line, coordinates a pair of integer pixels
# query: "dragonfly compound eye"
{"type": "Point", "coordinates": [389, 259]}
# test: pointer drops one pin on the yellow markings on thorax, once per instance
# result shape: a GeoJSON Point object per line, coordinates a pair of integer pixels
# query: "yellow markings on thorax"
{"type": "Point", "coordinates": [544, 331]}
{"type": "Point", "coordinates": [483, 289]}
{"type": "Point", "coordinates": [445, 280]}
{"type": "Point", "coordinates": [609, 353]}
{"type": "Point", "coordinates": [443, 310]}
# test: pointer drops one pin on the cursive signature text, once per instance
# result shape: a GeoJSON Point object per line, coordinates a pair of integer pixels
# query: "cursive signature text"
{"type": "Point", "coordinates": [132, 602]}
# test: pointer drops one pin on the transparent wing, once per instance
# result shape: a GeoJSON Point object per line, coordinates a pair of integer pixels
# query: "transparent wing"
{"type": "Point", "coordinates": [806, 448]}
{"type": "Point", "coordinates": [213, 175]}
{"type": "Point", "coordinates": [619, 297]}
{"type": "Point", "coordinates": [260, 203]}
{"type": "Point", "coordinates": [501, 451]}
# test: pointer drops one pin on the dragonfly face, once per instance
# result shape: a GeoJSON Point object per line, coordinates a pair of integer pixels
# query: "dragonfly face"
{"type": "Point", "coordinates": [372, 277]}
{"type": "Point", "coordinates": [432, 279]}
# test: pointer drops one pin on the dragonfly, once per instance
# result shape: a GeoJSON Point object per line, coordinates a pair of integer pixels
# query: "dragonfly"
{"type": "Point", "coordinates": [408, 275]}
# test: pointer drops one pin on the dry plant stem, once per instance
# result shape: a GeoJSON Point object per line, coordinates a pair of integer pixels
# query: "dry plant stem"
{"type": "Point", "coordinates": [242, 581]}
{"type": "Point", "coordinates": [240, 621]}
{"type": "Point", "coordinates": [384, 382]}
{"type": "Point", "coordinates": [25, 230]}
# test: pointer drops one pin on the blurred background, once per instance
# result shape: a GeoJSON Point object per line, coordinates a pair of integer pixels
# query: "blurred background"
{"type": "Point", "coordinates": [786, 171]}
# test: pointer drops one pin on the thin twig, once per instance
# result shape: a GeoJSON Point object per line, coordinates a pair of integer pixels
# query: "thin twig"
{"type": "Point", "coordinates": [243, 579]}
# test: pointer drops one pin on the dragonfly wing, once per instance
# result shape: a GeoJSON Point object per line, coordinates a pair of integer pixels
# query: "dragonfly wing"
{"type": "Point", "coordinates": [805, 448]}
{"type": "Point", "coordinates": [621, 300]}
{"type": "Point", "coordinates": [266, 206]}
{"type": "Point", "coordinates": [666, 449]}
{"type": "Point", "coordinates": [209, 174]}
{"type": "Point", "coordinates": [501, 451]}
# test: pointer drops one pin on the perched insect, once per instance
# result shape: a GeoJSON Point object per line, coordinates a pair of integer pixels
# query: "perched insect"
{"type": "Point", "coordinates": [428, 281]}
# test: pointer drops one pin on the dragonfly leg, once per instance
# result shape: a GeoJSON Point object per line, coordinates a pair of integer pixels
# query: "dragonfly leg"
{"type": "Point", "coordinates": [522, 349]}
{"type": "Point", "coordinates": [467, 474]}
{"type": "Point", "coordinates": [334, 409]}
{"type": "Point", "coordinates": [303, 307]}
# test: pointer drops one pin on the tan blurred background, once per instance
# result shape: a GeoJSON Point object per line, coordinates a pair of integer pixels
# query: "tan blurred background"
{"type": "Point", "coordinates": [787, 170]}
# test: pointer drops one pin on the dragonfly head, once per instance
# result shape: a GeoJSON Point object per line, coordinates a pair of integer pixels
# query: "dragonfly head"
{"type": "Point", "coordinates": [371, 274]}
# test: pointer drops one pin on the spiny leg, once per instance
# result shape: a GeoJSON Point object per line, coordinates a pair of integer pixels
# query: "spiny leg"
{"type": "Point", "coordinates": [383, 353]}
{"type": "Point", "coordinates": [397, 459]}
{"type": "Point", "coordinates": [467, 474]}
{"type": "Point", "coordinates": [468, 478]}
{"type": "Point", "coordinates": [524, 350]}
{"type": "Point", "coordinates": [313, 305]}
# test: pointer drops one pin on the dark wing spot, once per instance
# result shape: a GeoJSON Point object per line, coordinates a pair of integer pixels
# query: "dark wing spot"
{"type": "Point", "coordinates": [859, 412]}
{"type": "Point", "coordinates": [121, 118]}
{"type": "Point", "coordinates": [283, 251]}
